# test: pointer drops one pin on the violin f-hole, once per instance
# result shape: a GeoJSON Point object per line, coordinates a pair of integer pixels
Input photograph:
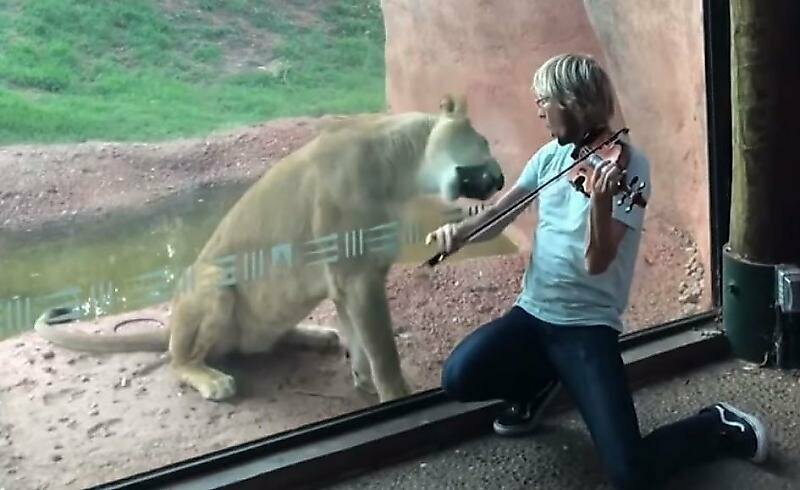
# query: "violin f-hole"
{"type": "Point", "coordinates": [578, 183]}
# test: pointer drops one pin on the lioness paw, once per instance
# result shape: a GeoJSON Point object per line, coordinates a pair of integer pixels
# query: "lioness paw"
{"type": "Point", "coordinates": [219, 387]}
{"type": "Point", "coordinates": [364, 383]}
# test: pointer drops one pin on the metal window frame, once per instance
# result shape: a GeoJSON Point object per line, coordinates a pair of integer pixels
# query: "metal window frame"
{"type": "Point", "coordinates": [716, 23]}
{"type": "Point", "coordinates": [378, 435]}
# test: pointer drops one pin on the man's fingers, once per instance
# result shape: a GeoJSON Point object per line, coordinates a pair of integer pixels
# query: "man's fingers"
{"type": "Point", "coordinates": [599, 175]}
{"type": "Point", "coordinates": [605, 176]}
{"type": "Point", "coordinates": [451, 237]}
{"type": "Point", "coordinates": [440, 235]}
{"type": "Point", "coordinates": [613, 177]}
{"type": "Point", "coordinates": [597, 178]}
{"type": "Point", "coordinates": [606, 179]}
{"type": "Point", "coordinates": [445, 235]}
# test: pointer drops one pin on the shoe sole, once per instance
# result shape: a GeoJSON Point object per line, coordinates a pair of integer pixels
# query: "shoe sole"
{"type": "Point", "coordinates": [761, 432]}
{"type": "Point", "coordinates": [530, 426]}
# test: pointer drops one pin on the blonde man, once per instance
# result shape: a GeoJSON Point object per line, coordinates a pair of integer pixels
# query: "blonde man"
{"type": "Point", "coordinates": [563, 327]}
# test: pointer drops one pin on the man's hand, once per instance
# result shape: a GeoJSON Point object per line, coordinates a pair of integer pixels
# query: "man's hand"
{"type": "Point", "coordinates": [447, 237]}
{"type": "Point", "coordinates": [605, 180]}
{"type": "Point", "coordinates": [453, 236]}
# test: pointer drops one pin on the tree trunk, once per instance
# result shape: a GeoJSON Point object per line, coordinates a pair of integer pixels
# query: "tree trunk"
{"type": "Point", "coordinates": [765, 93]}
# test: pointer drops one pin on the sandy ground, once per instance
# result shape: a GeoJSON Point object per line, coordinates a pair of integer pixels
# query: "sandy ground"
{"type": "Point", "coordinates": [71, 420]}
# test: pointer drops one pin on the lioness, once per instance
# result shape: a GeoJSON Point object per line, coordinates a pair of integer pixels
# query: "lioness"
{"type": "Point", "coordinates": [357, 175]}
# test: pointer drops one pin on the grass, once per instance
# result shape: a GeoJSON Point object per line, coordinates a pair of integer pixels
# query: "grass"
{"type": "Point", "coordinates": [146, 70]}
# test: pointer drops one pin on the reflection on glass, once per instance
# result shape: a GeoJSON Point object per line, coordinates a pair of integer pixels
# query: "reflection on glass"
{"type": "Point", "coordinates": [140, 127]}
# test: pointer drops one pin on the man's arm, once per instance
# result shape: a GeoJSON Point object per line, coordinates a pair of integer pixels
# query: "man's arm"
{"type": "Point", "coordinates": [464, 228]}
{"type": "Point", "coordinates": [607, 223]}
{"type": "Point", "coordinates": [605, 235]}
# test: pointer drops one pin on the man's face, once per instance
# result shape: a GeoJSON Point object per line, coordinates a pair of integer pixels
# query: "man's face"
{"type": "Point", "coordinates": [560, 122]}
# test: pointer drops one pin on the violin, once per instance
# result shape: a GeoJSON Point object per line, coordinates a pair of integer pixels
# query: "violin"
{"type": "Point", "coordinates": [587, 159]}
{"type": "Point", "coordinates": [582, 172]}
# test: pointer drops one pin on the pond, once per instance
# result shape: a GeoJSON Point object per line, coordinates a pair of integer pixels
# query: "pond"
{"type": "Point", "coordinates": [105, 264]}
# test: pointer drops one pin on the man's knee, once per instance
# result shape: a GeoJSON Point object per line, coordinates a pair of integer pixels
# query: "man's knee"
{"type": "Point", "coordinates": [456, 380]}
{"type": "Point", "coordinates": [465, 376]}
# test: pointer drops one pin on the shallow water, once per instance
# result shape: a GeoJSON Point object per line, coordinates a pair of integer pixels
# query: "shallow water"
{"type": "Point", "coordinates": [133, 259]}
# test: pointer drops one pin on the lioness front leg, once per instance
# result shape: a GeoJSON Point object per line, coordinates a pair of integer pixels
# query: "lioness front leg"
{"type": "Point", "coordinates": [359, 363]}
{"type": "Point", "coordinates": [368, 309]}
{"type": "Point", "coordinates": [193, 334]}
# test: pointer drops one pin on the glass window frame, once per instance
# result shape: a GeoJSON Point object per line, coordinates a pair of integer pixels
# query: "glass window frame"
{"type": "Point", "coordinates": [415, 410]}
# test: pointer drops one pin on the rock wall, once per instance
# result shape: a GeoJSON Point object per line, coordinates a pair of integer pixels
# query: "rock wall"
{"type": "Point", "coordinates": [489, 50]}
{"type": "Point", "coordinates": [657, 61]}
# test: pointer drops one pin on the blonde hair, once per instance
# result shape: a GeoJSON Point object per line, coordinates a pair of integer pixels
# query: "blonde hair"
{"type": "Point", "coordinates": [579, 84]}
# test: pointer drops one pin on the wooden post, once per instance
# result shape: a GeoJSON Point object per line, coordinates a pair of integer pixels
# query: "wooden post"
{"type": "Point", "coordinates": [765, 196]}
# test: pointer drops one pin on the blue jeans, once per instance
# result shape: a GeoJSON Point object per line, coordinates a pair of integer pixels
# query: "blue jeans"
{"type": "Point", "coordinates": [511, 357]}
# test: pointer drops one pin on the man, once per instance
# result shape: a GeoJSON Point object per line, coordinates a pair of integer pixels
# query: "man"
{"type": "Point", "coordinates": [564, 326]}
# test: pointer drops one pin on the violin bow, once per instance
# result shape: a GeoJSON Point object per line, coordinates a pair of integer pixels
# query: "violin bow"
{"type": "Point", "coordinates": [524, 201]}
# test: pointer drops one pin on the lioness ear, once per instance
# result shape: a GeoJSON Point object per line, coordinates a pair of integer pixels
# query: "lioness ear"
{"type": "Point", "coordinates": [453, 106]}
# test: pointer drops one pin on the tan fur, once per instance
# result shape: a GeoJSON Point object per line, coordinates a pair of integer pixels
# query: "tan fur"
{"type": "Point", "coordinates": [360, 172]}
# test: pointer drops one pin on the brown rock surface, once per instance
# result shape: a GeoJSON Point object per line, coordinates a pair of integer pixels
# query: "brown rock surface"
{"type": "Point", "coordinates": [655, 57]}
{"type": "Point", "coordinates": [489, 50]}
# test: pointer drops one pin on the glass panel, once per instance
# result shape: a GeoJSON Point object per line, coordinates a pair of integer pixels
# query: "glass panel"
{"type": "Point", "coordinates": [184, 164]}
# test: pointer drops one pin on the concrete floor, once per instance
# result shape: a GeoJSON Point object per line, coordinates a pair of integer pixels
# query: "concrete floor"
{"type": "Point", "coordinates": [561, 456]}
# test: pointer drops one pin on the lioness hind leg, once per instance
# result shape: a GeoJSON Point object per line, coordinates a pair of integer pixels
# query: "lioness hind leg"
{"type": "Point", "coordinates": [316, 337]}
{"type": "Point", "coordinates": [193, 338]}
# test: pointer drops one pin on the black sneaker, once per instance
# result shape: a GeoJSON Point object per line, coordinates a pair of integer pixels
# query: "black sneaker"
{"type": "Point", "coordinates": [522, 418]}
{"type": "Point", "coordinates": [746, 433]}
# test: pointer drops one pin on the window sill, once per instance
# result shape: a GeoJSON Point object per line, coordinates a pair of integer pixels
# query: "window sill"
{"type": "Point", "coordinates": [358, 442]}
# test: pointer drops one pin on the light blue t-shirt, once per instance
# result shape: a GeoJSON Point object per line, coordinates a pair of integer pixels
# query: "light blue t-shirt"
{"type": "Point", "coordinates": [557, 288]}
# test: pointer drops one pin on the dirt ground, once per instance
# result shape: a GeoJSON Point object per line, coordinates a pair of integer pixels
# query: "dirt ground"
{"type": "Point", "coordinates": [72, 420]}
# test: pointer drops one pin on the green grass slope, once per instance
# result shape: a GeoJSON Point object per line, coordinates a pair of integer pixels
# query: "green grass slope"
{"type": "Point", "coordinates": [146, 70]}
